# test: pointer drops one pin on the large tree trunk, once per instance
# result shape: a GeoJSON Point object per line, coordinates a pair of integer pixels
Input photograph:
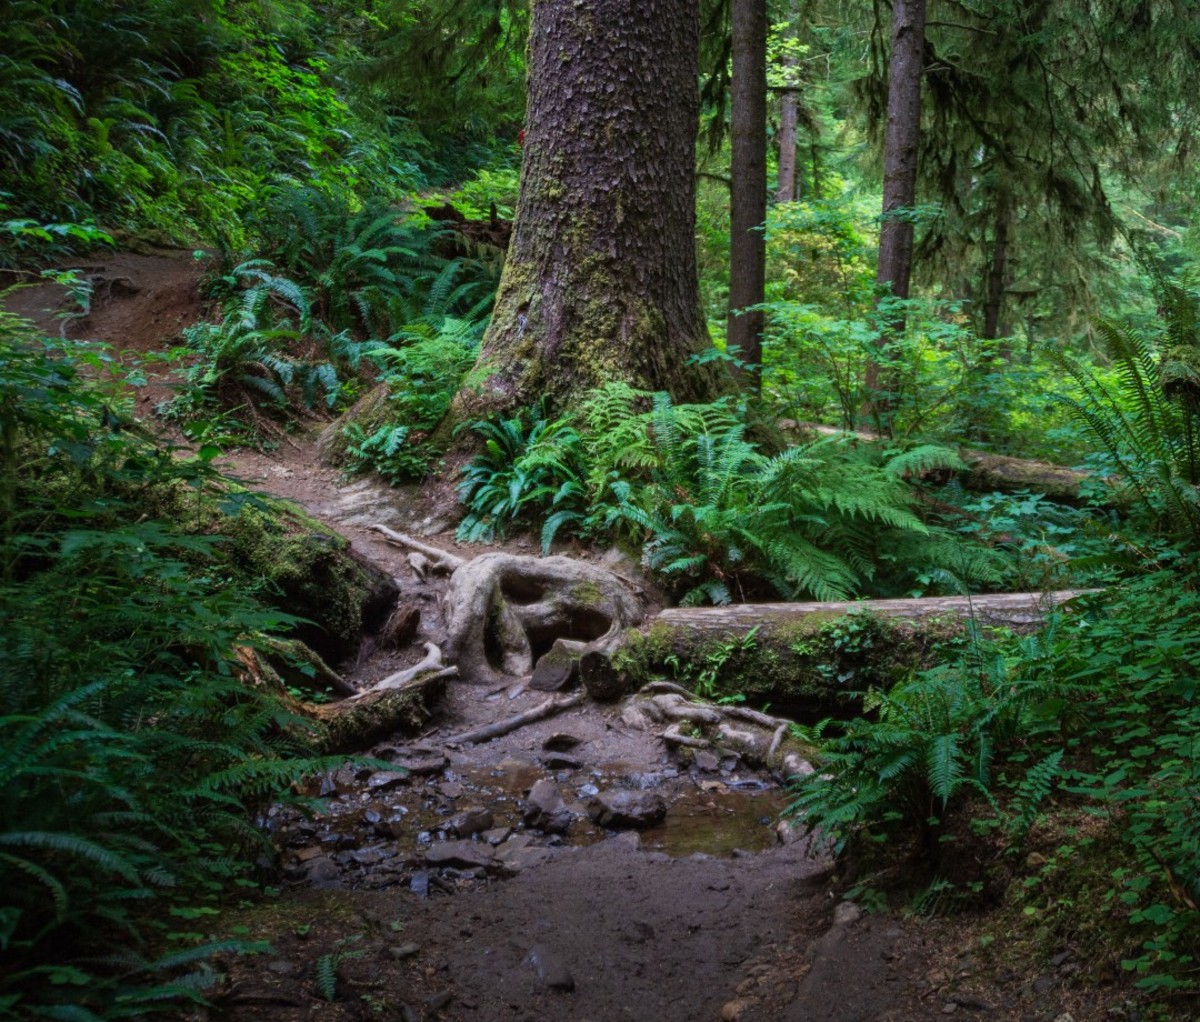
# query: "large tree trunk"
{"type": "Point", "coordinates": [748, 171]}
{"type": "Point", "coordinates": [901, 146]}
{"type": "Point", "coordinates": [600, 282]}
{"type": "Point", "coordinates": [785, 185]}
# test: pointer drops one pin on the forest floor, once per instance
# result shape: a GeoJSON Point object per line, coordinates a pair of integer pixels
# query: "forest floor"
{"type": "Point", "coordinates": [387, 909]}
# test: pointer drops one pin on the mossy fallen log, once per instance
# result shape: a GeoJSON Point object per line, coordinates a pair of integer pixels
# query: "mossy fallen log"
{"type": "Point", "coordinates": [813, 659]}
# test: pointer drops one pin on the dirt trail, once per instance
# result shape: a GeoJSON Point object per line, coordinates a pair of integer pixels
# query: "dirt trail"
{"type": "Point", "coordinates": [388, 911]}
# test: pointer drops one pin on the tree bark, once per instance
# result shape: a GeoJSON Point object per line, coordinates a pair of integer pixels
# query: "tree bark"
{"type": "Point", "coordinates": [901, 145]}
{"type": "Point", "coordinates": [748, 169]}
{"type": "Point", "coordinates": [600, 282]}
{"type": "Point", "coordinates": [997, 277]}
{"type": "Point", "coordinates": [785, 187]}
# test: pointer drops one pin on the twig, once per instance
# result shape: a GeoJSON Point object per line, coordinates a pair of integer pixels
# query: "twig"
{"type": "Point", "coordinates": [543, 710]}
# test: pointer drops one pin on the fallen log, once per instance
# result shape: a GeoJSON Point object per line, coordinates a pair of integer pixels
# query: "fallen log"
{"type": "Point", "coordinates": [986, 472]}
{"type": "Point", "coordinates": [808, 659]}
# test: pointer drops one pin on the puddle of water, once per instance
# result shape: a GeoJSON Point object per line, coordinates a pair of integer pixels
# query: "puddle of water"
{"type": "Point", "coordinates": [718, 823]}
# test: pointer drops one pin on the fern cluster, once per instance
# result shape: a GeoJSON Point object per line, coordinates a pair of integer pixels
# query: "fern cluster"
{"type": "Point", "coordinates": [717, 517]}
{"type": "Point", "coordinates": [134, 758]}
{"type": "Point", "coordinates": [1149, 422]}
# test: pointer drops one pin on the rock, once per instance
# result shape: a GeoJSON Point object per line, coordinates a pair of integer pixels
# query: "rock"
{"type": "Point", "coordinates": [422, 763]}
{"type": "Point", "coordinates": [560, 761]}
{"type": "Point", "coordinates": [385, 780]}
{"type": "Point", "coordinates": [371, 856]}
{"type": "Point", "coordinates": [473, 820]}
{"type": "Point", "coordinates": [309, 853]}
{"type": "Point", "coordinates": [561, 742]}
{"type": "Point", "coordinates": [468, 854]}
{"type": "Point", "coordinates": [795, 766]}
{"type": "Point", "coordinates": [1043, 984]}
{"type": "Point", "coordinates": [420, 884]}
{"type": "Point", "coordinates": [323, 873]}
{"type": "Point", "coordinates": [706, 762]}
{"type": "Point", "coordinates": [733, 1011]}
{"type": "Point", "coordinates": [622, 809]}
{"type": "Point", "coordinates": [404, 951]}
{"type": "Point", "coordinates": [788, 832]}
{"type": "Point", "coordinates": [451, 789]}
{"type": "Point", "coordinates": [847, 914]}
{"type": "Point", "coordinates": [549, 968]}
{"type": "Point", "coordinates": [558, 668]}
{"type": "Point", "coordinates": [496, 835]}
{"type": "Point", "coordinates": [545, 809]}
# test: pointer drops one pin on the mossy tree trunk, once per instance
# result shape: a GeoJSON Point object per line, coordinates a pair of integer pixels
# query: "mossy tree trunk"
{"type": "Point", "coordinates": [600, 282]}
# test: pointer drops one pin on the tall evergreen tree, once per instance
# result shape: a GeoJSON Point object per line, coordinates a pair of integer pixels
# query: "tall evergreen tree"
{"type": "Point", "coordinates": [600, 281]}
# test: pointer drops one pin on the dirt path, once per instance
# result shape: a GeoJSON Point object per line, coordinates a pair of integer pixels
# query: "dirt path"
{"type": "Point", "coordinates": [436, 895]}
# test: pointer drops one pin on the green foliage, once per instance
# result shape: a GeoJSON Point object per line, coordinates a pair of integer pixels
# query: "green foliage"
{"type": "Point", "coordinates": [1095, 717]}
{"type": "Point", "coordinates": [520, 471]}
{"type": "Point", "coordinates": [134, 757]}
{"type": "Point", "coordinates": [256, 354]}
{"type": "Point", "coordinates": [1149, 421]}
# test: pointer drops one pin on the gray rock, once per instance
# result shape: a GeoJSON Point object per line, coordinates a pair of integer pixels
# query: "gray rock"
{"type": "Point", "coordinates": [473, 820]}
{"type": "Point", "coordinates": [706, 762]}
{"type": "Point", "coordinates": [621, 809]}
{"type": "Point", "coordinates": [560, 741]}
{"type": "Point", "coordinates": [404, 951]}
{"type": "Point", "coordinates": [545, 809]}
{"type": "Point", "coordinates": [385, 780]}
{"type": "Point", "coordinates": [422, 763]}
{"type": "Point", "coordinates": [560, 761]}
{"type": "Point", "coordinates": [847, 914]}
{"type": "Point", "coordinates": [468, 854]}
{"type": "Point", "coordinates": [371, 856]}
{"type": "Point", "coordinates": [549, 968]}
{"type": "Point", "coordinates": [323, 873]}
{"type": "Point", "coordinates": [496, 835]}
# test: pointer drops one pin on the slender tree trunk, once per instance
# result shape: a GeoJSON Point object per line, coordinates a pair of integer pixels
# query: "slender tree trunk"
{"type": "Point", "coordinates": [600, 282]}
{"type": "Point", "coordinates": [997, 276]}
{"type": "Point", "coordinates": [785, 187]}
{"type": "Point", "coordinates": [748, 169]}
{"type": "Point", "coordinates": [901, 145]}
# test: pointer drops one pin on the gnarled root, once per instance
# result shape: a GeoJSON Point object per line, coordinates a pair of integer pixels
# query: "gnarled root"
{"type": "Point", "coordinates": [504, 610]}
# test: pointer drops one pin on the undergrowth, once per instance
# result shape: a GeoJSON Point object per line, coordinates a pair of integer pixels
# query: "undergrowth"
{"type": "Point", "coordinates": [134, 757]}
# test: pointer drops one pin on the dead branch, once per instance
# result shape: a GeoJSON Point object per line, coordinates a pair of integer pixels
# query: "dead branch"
{"type": "Point", "coordinates": [543, 710]}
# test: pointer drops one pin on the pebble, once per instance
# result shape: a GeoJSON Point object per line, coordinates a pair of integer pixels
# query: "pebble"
{"type": "Point", "coordinates": [550, 970]}
{"type": "Point", "coordinates": [403, 951]}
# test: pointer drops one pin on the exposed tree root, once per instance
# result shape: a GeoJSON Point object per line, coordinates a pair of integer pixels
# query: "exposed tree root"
{"type": "Point", "coordinates": [545, 709]}
{"type": "Point", "coordinates": [503, 611]}
{"type": "Point", "coordinates": [437, 561]}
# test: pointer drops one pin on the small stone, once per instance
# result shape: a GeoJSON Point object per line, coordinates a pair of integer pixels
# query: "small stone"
{"type": "Point", "coordinates": [847, 914]}
{"type": "Point", "coordinates": [1043, 984]}
{"type": "Point", "coordinates": [949, 1008]}
{"type": "Point", "coordinates": [788, 832]}
{"type": "Point", "coordinates": [706, 762]}
{"type": "Point", "coordinates": [734, 1010]}
{"type": "Point", "coordinates": [560, 741]}
{"type": "Point", "coordinates": [282, 968]}
{"type": "Point", "coordinates": [422, 765]}
{"type": "Point", "coordinates": [308, 854]}
{"type": "Point", "coordinates": [473, 820]}
{"type": "Point", "coordinates": [438, 1001]}
{"type": "Point", "coordinates": [385, 780]}
{"type": "Point", "coordinates": [468, 854]}
{"type": "Point", "coordinates": [549, 968]}
{"type": "Point", "coordinates": [1066, 1016]}
{"type": "Point", "coordinates": [451, 789]}
{"type": "Point", "coordinates": [496, 835]}
{"type": "Point", "coordinates": [371, 856]}
{"type": "Point", "coordinates": [323, 873]}
{"type": "Point", "coordinates": [560, 761]}
{"type": "Point", "coordinates": [404, 951]}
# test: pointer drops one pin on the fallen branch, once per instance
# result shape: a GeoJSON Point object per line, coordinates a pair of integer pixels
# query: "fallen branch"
{"type": "Point", "coordinates": [441, 561]}
{"type": "Point", "coordinates": [503, 727]}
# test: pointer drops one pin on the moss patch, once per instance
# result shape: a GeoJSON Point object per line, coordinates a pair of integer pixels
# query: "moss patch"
{"type": "Point", "coordinates": [809, 667]}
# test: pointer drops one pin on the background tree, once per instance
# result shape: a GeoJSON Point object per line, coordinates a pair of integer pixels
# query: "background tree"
{"type": "Point", "coordinates": [748, 174]}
